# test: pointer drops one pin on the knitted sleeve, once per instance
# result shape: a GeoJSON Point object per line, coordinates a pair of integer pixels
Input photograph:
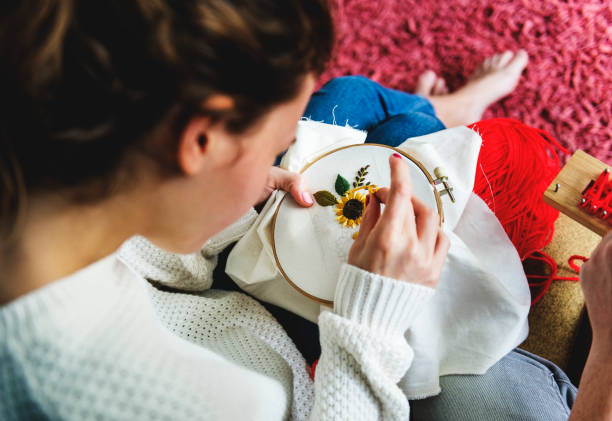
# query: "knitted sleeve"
{"type": "Point", "coordinates": [363, 350]}
{"type": "Point", "coordinates": [187, 272]}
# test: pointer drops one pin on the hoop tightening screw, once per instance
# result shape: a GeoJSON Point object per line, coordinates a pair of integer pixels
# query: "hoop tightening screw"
{"type": "Point", "coordinates": [441, 177]}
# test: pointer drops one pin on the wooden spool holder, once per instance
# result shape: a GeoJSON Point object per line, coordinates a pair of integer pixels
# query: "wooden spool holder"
{"type": "Point", "coordinates": [572, 180]}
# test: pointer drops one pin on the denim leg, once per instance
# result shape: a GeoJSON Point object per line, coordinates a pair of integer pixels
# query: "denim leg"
{"type": "Point", "coordinates": [364, 104]}
{"type": "Point", "coordinates": [398, 128]}
{"type": "Point", "coordinates": [521, 386]}
{"type": "Point", "coordinates": [389, 116]}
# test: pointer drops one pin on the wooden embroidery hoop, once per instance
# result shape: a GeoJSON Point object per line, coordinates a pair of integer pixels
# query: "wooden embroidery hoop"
{"type": "Point", "coordinates": [415, 161]}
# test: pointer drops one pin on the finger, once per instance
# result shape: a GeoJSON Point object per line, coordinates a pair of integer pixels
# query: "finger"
{"type": "Point", "coordinates": [427, 223]}
{"type": "Point", "coordinates": [382, 194]}
{"type": "Point", "coordinates": [293, 183]}
{"type": "Point", "coordinates": [399, 214]}
{"type": "Point", "coordinates": [441, 249]}
{"type": "Point", "coordinates": [439, 257]}
{"type": "Point", "coordinates": [370, 217]}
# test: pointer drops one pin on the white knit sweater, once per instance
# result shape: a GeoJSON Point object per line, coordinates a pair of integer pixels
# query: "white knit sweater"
{"type": "Point", "coordinates": [104, 343]}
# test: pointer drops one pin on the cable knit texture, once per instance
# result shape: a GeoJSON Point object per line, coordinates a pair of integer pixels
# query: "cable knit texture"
{"type": "Point", "coordinates": [104, 343]}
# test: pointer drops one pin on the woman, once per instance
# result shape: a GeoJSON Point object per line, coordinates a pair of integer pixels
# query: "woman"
{"type": "Point", "coordinates": [163, 119]}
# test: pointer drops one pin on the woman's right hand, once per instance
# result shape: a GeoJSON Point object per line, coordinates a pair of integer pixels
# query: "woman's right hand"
{"type": "Point", "coordinates": [405, 242]}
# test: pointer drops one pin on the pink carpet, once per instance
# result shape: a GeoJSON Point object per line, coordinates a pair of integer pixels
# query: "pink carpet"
{"type": "Point", "coordinates": [566, 89]}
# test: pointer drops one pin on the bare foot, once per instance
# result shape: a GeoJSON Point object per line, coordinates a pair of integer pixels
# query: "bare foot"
{"type": "Point", "coordinates": [496, 77]}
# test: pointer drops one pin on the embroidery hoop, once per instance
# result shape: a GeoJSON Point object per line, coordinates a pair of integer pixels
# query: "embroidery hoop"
{"type": "Point", "coordinates": [429, 179]}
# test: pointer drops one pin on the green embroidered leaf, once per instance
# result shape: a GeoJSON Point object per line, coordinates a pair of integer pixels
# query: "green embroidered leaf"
{"type": "Point", "coordinates": [325, 198]}
{"type": "Point", "coordinates": [342, 185]}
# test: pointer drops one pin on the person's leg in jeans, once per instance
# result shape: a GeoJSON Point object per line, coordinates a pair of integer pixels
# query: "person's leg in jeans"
{"type": "Point", "coordinates": [389, 116]}
{"type": "Point", "coordinates": [521, 386]}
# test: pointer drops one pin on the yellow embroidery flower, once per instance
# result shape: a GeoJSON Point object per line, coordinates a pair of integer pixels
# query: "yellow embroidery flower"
{"type": "Point", "coordinates": [350, 208]}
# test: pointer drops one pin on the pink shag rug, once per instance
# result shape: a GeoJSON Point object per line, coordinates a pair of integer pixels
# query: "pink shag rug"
{"type": "Point", "coordinates": [565, 90]}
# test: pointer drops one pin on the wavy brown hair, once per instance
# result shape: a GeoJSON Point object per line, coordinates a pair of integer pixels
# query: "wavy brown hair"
{"type": "Point", "coordinates": [84, 81]}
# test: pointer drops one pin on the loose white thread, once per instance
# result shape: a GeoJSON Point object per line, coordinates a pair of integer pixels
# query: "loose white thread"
{"type": "Point", "coordinates": [489, 184]}
{"type": "Point", "coordinates": [334, 114]}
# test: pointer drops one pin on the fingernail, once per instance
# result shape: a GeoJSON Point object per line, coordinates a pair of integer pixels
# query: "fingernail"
{"type": "Point", "coordinates": [396, 155]}
{"type": "Point", "coordinates": [367, 199]}
{"type": "Point", "coordinates": [307, 198]}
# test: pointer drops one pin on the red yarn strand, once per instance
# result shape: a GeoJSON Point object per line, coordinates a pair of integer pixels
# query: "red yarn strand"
{"type": "Point", "coordinates": [574, 265]}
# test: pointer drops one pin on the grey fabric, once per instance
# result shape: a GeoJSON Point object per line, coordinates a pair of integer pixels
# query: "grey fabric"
{"type": "Point", "coordinates": [521, 386]}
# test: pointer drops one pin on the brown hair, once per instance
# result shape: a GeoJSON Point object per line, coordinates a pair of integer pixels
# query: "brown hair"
{"type": "Point", "coordinates": [83, 82]}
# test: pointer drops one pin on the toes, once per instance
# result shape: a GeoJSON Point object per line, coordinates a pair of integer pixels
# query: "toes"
{"type": "Point", "coordinates": [484, 68]}
{"type": "Point", "coordinates": [519, 62]}
{"type": "Point", "coordinates": [440, 87]}
{"type": "Point", "coordinates": [505, 58]}
{"type": "Point", "coordinates": [444, 89]}
{"type": "Point", "coordinates": [495, 61]}
{"type": "Point", "coordinates": [426, 83]}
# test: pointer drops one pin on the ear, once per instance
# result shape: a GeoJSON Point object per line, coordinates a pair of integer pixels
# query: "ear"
{"type": "Point", "coordinates": [193, 145]}
{"type": "Point", "coordinates": [195, 139]}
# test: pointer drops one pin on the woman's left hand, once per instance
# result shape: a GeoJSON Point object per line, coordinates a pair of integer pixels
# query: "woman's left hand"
{"type": "Point", "coordinates": [288, 181]}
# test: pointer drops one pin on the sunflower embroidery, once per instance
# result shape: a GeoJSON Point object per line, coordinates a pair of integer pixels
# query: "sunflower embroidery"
{"type": "Point", "coordinates": [352, 204]}
{"type": "Point", "coordinates": [350, 209]}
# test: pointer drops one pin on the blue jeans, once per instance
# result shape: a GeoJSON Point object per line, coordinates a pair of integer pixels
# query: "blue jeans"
{"type": "Point", "coordinates": [389, 116]}
{"type": "Point", "coordinates": [521, 386]}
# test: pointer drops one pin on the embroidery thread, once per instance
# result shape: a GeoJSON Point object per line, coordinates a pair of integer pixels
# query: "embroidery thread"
{"type": "Point", "coordinates": [325, 198]}
{"type": "Point", "coordinates": [351, 205]}
{"type": "Point", "coordinates": [350, 209]}
{"type": "Point", "coordinates": [359, 179]}
{"type": "Point", "coordinates": [342, 185]}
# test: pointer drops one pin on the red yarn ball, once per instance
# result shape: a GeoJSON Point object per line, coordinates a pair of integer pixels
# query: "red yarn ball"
{"type": "Point", "coordinates": [516, 165]}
